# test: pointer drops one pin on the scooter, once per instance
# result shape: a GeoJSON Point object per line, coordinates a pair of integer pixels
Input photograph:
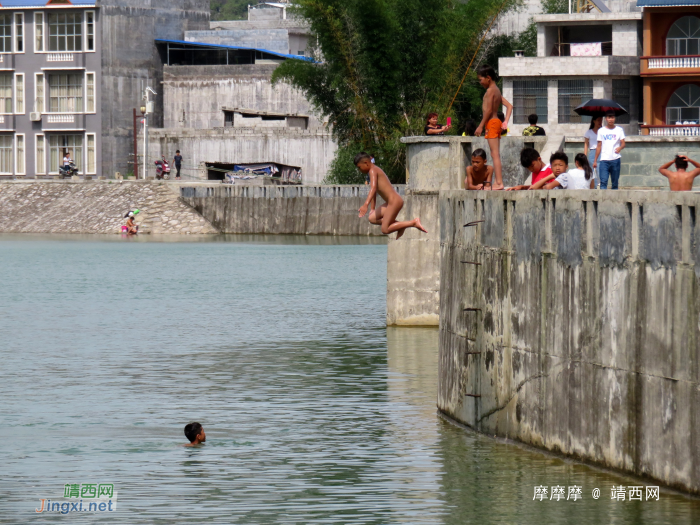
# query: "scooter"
{"type": "Point", "coordinates": [162, 169]}
{"type": "Point", "coordinates": [68, 171]}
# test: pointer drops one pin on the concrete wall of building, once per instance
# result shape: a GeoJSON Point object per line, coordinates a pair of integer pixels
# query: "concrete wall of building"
{"type": "Point", "coordinates": [130, 62]}
{"type": "Point", "coordinates": [300, 210]}
{"type": "Point", "coordinates": [578, 330]}
{"type": "Point", "coordinates": [602, 88]}
{"type": "Point", "coordinates": [311, 150]}
{"type": "Point", "coordinates": [196, 95]}
{"type": "Point", "coordinates": [642, 157]}
{"type": "Point", "coordinates": [413, 270]}
{"type": "Point", "coordinates": [265, 13]}
{"type": "Point", "coordinates": [276, 40]}
{"type": "Point", "coordinates": [602, 66]}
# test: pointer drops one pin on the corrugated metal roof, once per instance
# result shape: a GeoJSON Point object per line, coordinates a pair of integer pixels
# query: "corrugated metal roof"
{"type": "Point", "coordinates": [14, 4]}
{"type": "Point", "coordinates": [220, 46]}
{"type": "Point", "coordinates": [664, 3]}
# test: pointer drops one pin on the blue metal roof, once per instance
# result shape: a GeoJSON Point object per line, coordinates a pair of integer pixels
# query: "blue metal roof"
{"type": "Point", "coordinates": [666, 3]}
{"type": "Point", "coordinates": [8, 4]}
{"type": "Point", "coordinates": [219, 46]}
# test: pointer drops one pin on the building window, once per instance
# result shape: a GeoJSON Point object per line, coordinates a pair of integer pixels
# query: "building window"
{"type": "Point", "coordinates": [91, 164]}
{"type": "Point", "coordinates": [6, 33]}
{"type": "Point", "coordinates": [66, 93]}
{"type": "Point", "coordinates": [621, 93]}
{"type": "Point", "coordinates": [39, 87]}
{"type": "Point", "coordinates": [684, 106]}
{"type": "Point", "coordinates": [19, 32]}
{"type": "Point", "coordinates": [90, 30]}
{"type": "Point", "coordinates": [59, 145]}
{"type": "Point", "coordinates": [90, 92]}
{"type": "Point", "coordinates": [38, 32]}
{"type": "Point", "coordinates": [20, 155]}
{"type": "Point", "coordinates": [529, 96]}
{"type": "Point", "coordinates": [19, 93]}
{"type": "Point", "coordinates": [40, 154]}
{"type": "Point", "coordinates": [573, 93]}
{"type": "Point", "coordinates": [228, 119]}
{"type": "Point", "coordinates": [684, 37]}
{"type": "Point", "coordinates": [6, 154]}
{"type": "Point", "coordinates": [65, 32]}
{"type": "Point", "coordinates": [5, 92]}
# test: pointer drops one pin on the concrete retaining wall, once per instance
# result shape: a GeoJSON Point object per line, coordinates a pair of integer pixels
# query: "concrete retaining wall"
{"type": "Point", "coordinates": [301, 210]}
{"type": "Point", "coordinates": [571, 321]}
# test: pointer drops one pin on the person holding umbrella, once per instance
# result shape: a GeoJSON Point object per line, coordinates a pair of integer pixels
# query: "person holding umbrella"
{"type": "Point", "coordinates": [611, 139]}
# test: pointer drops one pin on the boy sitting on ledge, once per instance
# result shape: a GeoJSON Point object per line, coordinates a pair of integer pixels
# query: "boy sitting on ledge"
{"type": "Point", "coordinates": [479, 173]}
{"type": "Point", "coordinates": [387, 213]}
{"type": "Point", "coordinates": [680, 180]}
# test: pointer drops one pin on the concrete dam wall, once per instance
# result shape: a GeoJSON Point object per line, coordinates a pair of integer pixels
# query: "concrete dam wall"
{"type": "Point", "coordinates": [301, 210]}
{"type": "Point", "coordinates": [571, 321]}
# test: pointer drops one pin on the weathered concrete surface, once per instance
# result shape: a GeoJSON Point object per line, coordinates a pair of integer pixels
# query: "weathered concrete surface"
{"type": "Point", "coordinates": [130, 62]}
{"type": "Point", "coordinates": [301, 210]}
{"type": "Point", "coordinates": [570, 321]}
{"type": "Point", "coordinates": [313, 151]}
{"type": "Point", "coordinates": [413, 266]}
{"type": "Point", "coordinates": [95, 207]}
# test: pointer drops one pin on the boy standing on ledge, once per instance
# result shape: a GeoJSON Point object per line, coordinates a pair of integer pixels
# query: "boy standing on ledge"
{"type": "Point", "coordinates": [680, 180]}
{"type": "Point", "coordinates": [493, 125]}
{"type": "Point", "coordinates": [387, 213]}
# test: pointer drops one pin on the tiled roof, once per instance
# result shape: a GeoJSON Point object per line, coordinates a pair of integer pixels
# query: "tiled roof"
{"type": "Point", "coordinates": [662, 3]}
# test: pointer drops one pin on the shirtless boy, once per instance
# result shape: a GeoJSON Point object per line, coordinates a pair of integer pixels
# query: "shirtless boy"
{"type": "Point", "coordinates": [387, 213]}
{"type": "Point", "coordinates": [479, 173]}
{"type": "Point", "coordinates": [680, 180]}
{"type": "Point", "coordinates": [493, 125]}
{"type": "Point", "coordinates": [195, 434]}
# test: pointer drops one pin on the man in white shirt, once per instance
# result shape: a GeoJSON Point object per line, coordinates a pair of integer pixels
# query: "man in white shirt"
{"type": "Point", "coordinates": [66, 160]}
{"type": "Point", "coordinates": [611, 141]}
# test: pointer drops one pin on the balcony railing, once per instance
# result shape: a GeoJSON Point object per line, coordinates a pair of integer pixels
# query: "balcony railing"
{"type": "Point", "coordinates": [679, 130]}
{"type": "Point", "coordinates": [673, 62]}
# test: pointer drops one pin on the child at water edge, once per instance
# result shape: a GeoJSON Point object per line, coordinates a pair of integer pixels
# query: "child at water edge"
{"type": "Point", "coordinates": [680, 180]}
{"type": "Point", "coordinates": [387, 213]}
{"type": "Point", "coordinates": [479, 173]}
{"type": "Point", "coordinates": [195, 434]}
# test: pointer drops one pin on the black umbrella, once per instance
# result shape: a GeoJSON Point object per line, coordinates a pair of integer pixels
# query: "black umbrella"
{"type": "Point", "coordinates": [600, 106]}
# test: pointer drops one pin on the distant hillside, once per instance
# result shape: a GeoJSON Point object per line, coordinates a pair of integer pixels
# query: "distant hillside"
{"type": "Point", "coordinates": [230, 9]}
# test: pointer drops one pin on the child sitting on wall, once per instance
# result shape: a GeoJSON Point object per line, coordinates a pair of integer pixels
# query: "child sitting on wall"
{"type": "Point", "coordinates": [530, 160]}
{"type": "Point", "coordinates": [479, 173]}
{"type": "Point", "coordinates": [680, 180]}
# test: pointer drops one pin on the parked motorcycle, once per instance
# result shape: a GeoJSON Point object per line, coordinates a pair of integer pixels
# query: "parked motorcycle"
{"type": "Point", "coordinates": [68, 171]}
{"type": "Point", "coordinates": [162, 169]}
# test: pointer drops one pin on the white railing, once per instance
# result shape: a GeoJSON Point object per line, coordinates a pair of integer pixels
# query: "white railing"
{"type": "Point", "coordinates": [61, 119]}
{"type": "Point", "coordinates": [675, 131]}
{"type": "Point", "coordinates": [674, 62]}
{"type": "Point", "coordinates": [2, 119]}
{"type": "Point", "coordinates": [59, 57]}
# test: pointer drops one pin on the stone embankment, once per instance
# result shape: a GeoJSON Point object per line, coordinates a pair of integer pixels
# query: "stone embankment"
{"type": "Point", "coordinates": [95, 207]}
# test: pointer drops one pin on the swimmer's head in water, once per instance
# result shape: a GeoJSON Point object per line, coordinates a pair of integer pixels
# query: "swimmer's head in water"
{"type": "Point", "coordinates": [195, 433]}
{"type": "Point", "coordinates": [363, 161]}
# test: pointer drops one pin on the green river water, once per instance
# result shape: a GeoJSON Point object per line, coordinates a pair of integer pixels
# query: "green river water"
{"type": "Point", "coordinates": [314, 411]}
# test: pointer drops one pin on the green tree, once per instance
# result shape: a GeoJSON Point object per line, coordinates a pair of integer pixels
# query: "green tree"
{"type": "Point", "coordinates": [384, 64]}
{"type": "Point", "coordinates": [229, 9]}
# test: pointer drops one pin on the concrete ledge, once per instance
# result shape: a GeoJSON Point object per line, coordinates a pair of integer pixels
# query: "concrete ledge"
{"type": "Point", "coordinates": [578, 331]}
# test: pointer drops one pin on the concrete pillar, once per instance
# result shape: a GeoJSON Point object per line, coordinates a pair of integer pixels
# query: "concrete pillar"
{"type": "Point", "coordinates": [553, 102]}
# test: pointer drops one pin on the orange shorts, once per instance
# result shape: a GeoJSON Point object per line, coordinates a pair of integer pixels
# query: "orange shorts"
{"type": "Point", "coordinates": [493, 129]}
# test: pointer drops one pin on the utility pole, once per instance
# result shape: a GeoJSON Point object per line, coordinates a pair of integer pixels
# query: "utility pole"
{"type": "Point", "coordinates": [146, 109]}
{"type": "Point", "coordinates": [136, 152]}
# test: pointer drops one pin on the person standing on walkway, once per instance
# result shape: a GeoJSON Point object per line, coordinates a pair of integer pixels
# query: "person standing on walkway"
{"type": "Point", "coordinates": [611, 141]}
{"type": "Point", "coordinates": [178, 164]}
{"type": "Point", "coordinates": [590, 140]}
